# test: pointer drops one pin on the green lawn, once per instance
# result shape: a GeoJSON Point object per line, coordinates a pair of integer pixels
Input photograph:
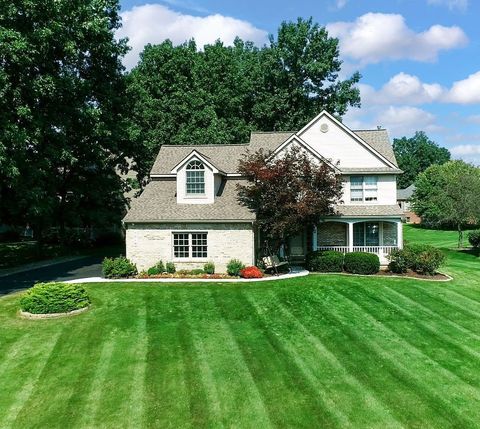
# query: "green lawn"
{"type": "Point", "coordinates": [322, 351]}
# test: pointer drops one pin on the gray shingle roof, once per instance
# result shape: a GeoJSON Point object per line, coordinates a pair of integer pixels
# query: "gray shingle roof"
{"type": "Point", "coordinates": [371, 210]}
{"type": "Point", "coordinates": [227, 157]}
{"type": "Point", "coordinates": [158, 202]}
{"type": "Point", "coordinates": [405, 194]}
{"type": "Point", "coordinates": [378, 140]}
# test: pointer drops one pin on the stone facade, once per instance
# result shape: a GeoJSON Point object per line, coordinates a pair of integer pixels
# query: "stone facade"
{"type": "Point", "coordinates": [149, 243]}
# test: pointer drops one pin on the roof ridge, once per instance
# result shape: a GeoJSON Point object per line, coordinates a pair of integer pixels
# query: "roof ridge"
{"type": "Point", "coordinates": [371, 129]}
{"type": "Point", "coordinates": [204, 145]}
{"type": "Point", "coordinates": [273, 132]}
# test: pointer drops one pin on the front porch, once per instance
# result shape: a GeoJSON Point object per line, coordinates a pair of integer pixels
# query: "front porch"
{"type": "Point", "coordinates": [370, 236]}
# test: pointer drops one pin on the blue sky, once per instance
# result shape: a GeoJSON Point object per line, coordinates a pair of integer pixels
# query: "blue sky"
{"type": "Point", "coordinates": [419, 59]}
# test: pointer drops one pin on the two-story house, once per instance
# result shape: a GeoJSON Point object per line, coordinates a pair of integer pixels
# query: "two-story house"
{"type": "Point", "coordinates": [189, 212]}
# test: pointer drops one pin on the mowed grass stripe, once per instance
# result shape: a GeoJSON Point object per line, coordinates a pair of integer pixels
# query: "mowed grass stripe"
{"type": "Point", "coordinates": [171, 395]}
{"type": "Point", "coordinates": [348, 334]}
{"type": "Point", "coordinates": [235, 385]}
{"type": "Point", "coordinates": [290, 400]}
{"type": "Point", "coordinates": [448, 358]}
{"type": "Point", "coordinates": [438, 387]}
{"type": "Point", "coordinates": [323, 367]}
{"type": "Point", "coordinates": [39, 354]}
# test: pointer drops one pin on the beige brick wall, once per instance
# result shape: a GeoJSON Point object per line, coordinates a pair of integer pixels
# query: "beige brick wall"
{"type": "Point", "coordinates": [149, 243]}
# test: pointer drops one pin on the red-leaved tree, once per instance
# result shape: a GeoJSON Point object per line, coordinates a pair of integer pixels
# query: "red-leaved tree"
{"type": "Point", "coordinates": [288, 193]}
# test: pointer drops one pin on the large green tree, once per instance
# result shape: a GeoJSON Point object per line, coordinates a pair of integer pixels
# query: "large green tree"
{"type": "Point", "coordinates": [218, 94]}
{"type": "Point", "coordinates": [62, 126]}
{"type": "Point", "coordinates": [447, 195]}
{"type": "Point", "coordinates": [415, 154]}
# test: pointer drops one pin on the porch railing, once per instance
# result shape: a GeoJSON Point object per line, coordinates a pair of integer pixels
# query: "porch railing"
{"type": "Point", "coordinates": [379, 250]}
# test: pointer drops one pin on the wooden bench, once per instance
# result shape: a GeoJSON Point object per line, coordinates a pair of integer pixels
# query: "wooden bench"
{"type": "Point", "coordinates": [273, 263]}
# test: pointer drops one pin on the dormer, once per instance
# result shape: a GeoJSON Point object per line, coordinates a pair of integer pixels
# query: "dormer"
{"type": "Point", "coordinates": [197, 179]}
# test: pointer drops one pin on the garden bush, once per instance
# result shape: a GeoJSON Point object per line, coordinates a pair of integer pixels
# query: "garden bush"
{"type": "Point", "coordinates": [474, 238]}
{"type": "Point", "coordinates": [398, 261]}
{"type": "Point", "coordinates": [429, 261]}
{"type": "Point", "coordinates": [116, 268]}
{"type": "Point", "coordinates": [196, 271]}
{"type": "Point", "coordinates": [234, 267]}
{"type": "Point", "coordinates": [328, 261]}
{"type": "Point", "coordinates": [47, 298]}
{"type": "Point", "coordinates": [251, 273]}
{"type": "Point", "coordinates": [362, 263]}
{"type": "Point", "coordinates": [170, 268]}
{"type": "Point", "coordinates": [157, 269]}
{"type": "Point", "coordinates": [209, 268]}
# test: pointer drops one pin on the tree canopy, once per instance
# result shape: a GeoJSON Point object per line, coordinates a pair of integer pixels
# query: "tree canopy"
{"type": "Point", "coordinates": [218, 94]}
{"type": "Point", "coordinates": [289, 192]}
{"type": "Point", "coordinates": [447, 195]}
{"type": "Point", "coordinates": [416, 154]}
{"type": "Point", "coordinates": [62, 106]}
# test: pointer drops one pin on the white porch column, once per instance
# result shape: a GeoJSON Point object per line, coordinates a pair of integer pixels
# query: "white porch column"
{"type": "Point", "coordinates": [350, 236]}
{"type": "Point", "coordinates": [400, 234]}
{"type": "Point", "coordinates": [315, 238]}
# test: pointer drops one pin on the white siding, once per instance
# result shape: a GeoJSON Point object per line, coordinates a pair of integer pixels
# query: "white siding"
{"type": "Point", "coordinates": [338, 145]}
{"type": "Point", "coordinates": [149, 243]}
{"type": "Point", "coordinates": [386, 195]}
{"type": "Point", "coordinates": [209, 196]}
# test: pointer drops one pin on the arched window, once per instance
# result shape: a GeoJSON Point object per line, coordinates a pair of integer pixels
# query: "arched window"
{"type": "Point", "coordinates": [195, 178]}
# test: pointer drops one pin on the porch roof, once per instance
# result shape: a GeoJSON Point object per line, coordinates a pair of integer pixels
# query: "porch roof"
{"type": "Point", "coordinates": [369, 210]}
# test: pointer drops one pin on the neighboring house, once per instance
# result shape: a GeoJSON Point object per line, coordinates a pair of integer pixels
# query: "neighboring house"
{"type": "Point", "coordinates": [189, 213]}
{"type": "Point", "coordinates": [403, 201]}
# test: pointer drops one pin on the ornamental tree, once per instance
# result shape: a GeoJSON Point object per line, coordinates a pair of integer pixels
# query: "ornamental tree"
{"type": "Point", "coordinates": [447, 195]}
{"type": "Point", "coordinates": [288, 193]}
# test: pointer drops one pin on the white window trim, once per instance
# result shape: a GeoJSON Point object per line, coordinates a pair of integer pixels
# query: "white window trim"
{"type": "Point", "coordinates": [202, 170]}
{"type": "Point", "coordinates": [189, 258]}
{"type": "Point", "coordinates": [365, 187]}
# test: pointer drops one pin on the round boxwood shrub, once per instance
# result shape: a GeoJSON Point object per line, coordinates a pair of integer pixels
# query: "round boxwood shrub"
{"type": "Point", "coordinates": [117, 268]}
{"type": "Point", "coordinates": [474, 238]}
{"type": "Point", "coordinates": [234, 267]}
{"type": "Point", "coordinates": [398, 261]}
{"type": "Point", "coordinates": [327, 261]}
{"type": "Point", "coordinates": [362, 263]}
{"type": "Point", "coordinates": [47, 298]}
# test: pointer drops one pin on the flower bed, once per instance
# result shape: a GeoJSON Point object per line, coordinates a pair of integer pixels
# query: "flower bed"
{"type": "Point", "coordinates": [184, 275]}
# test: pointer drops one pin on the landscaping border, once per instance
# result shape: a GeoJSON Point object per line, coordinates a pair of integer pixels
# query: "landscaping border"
{"type": "Point", "coordinates": [35, 316]}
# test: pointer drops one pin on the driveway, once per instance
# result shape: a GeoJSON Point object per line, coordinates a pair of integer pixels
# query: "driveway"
{"type": "Point", "coordinates": [90, 266]}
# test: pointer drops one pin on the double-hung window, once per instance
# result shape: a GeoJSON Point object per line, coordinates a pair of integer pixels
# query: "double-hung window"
{"type": "Point", "coordinates": [195, 178]}
{"type": "Point", "coordinates": [363, 188]}
{"type": "Point", "coordinates": [190, 245]}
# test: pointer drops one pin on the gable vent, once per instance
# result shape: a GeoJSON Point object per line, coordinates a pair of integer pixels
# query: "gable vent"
{"type": "Point", "coordinates": [324, 128]}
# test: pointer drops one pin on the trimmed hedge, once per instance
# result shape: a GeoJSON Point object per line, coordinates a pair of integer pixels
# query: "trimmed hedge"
{"type": "Point", "coordinates": [361, 263]}
{"type": "Point", "coordinates": [328, 261]}
{"type": "Point", "coordinates": [48, 298]}
{"type": "Point", "coordinates": [117, 268]}
{"type": "Point", "coordinates": [234, 267]}
{"type": "Point", "coordinates": [421, 258]}
{"type": "Point", "coordinates": [474, 238]}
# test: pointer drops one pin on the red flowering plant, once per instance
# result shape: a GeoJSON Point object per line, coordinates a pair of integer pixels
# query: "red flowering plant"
{"type": "Point", "coordinates": [251, 273]}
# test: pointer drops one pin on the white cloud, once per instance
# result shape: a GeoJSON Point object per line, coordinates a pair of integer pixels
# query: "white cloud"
{"type": "Point", "coordinates": [375, 37]}
{"type": "Point", "coordinates": [154, 23]}
{"type": "Point", "coordinates": [402, 88]}
{"type": "Point", "coordinates": [451, 4]}
{"type": "Point", "coordinates": [340, 3]}
{"type": "Point", "coordinates": [405, 120]}
{"type": "Point", "coordinates": [465, 150]}
{"type": "Point", "coordinates": [466, 91]}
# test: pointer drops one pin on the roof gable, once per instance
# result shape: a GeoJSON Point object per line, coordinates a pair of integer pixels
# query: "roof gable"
{"type": "Point", "coordinates": [334, 141]}
{"type": "Point", "coordinates": [194, 154]}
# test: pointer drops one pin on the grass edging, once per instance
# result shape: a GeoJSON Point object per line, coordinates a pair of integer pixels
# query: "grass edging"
{"type": "Point", "coordinates": [28, 315]}
{"type": "Point", "coordinates": [395, 276]}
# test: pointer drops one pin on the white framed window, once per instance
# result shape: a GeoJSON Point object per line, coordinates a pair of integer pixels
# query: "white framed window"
{"type": "Point", "coordinates": [190, 245]}
{"type": "Point", "coordinates": [363, 188]}
{"type": "Point", "coordinates": [195, 180]}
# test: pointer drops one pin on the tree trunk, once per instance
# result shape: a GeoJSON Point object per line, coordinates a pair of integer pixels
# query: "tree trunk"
{"type": "Point", "coordinates": [460, 236]}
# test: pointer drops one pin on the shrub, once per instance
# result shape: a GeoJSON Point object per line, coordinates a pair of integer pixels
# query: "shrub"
{"type": "Point", "coordinates": [474, 238]}
{"type": "Point", "coordinates": [116, 268]}
{"type": "Point", "coordinates": [197, 271]}
{"type": "Point", "coordinates": [170, 268]}
{"type": "Point", "coordinates": [251, 273]}
{"type": "Point", "coordinates": [398, 261]}
{"type": "Point", "coordinates": [158, 268]}
{"type": "Point", "coordinates": [429, 261]}
{"type": "Point", "coordinates": [328, 261]}
{"type": "Point", "coordinates": [209, 268]}
{"type": "Point", "coordinates": [362, 263]}
{"type": "Point", "coordinates": [234, 267]}
{"type": "Point", "coordinates": [47, 298]}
